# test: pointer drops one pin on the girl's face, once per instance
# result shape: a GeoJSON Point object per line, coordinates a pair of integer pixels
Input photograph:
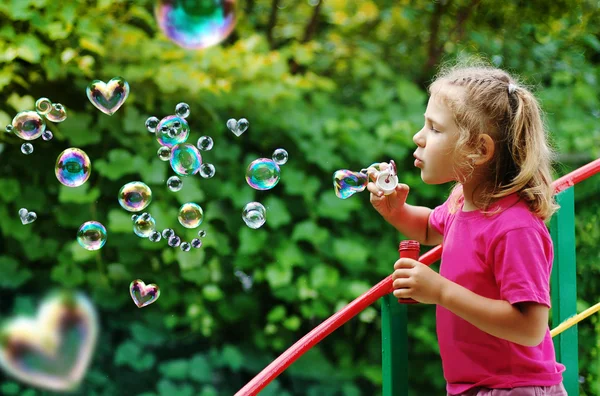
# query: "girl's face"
{"type": "Point", "coordinates": [435, 143]}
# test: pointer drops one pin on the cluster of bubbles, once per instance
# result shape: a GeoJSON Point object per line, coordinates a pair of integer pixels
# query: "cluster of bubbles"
{"type": "Point", "coordinates": [185, 159]}
{"type": "Point", "coordinates": [30, 125]}
{"type": "Point", "coordinates": [190, 216]}
{"type": "Point", "coordinates": [347, 183]}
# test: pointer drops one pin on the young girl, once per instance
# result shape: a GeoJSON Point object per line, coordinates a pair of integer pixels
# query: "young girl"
{"type": "Point", "coordinates": [485, 132]}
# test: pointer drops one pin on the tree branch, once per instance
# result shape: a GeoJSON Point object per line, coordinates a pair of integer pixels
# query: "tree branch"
{"type": "Point", "coordinates": [312, 25]}
{"type": "Point", "coordinates": [434, 27]}
{"type": "Point", "coordinates": [272, 22]}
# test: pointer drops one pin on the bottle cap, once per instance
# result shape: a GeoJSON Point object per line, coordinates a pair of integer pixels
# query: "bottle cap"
{"type": "Point", "coordinates": [387, 182]}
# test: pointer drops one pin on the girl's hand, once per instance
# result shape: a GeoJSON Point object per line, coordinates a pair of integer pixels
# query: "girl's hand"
{"type": "Point", "coordinates": [388, 206]}
{"type": "Point", "coordinates": [412, 279]}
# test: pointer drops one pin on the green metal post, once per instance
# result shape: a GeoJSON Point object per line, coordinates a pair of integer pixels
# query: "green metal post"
{"type": "Point", "coordinates": [564, 288]}
{"type": "Point", "coordinates": [394, 343]}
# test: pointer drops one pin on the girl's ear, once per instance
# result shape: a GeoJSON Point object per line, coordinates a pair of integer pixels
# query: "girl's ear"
{"type": "Point", "coordinates": [486, 149]}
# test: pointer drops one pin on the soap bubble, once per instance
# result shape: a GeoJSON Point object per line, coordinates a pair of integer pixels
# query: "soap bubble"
{"type": "Point", "coordinates": [174, 241]}
{"type": "Point", "coordinates": [47, 135]}
{"type": "Point", "coordinates": [254, 215]}
{"type": "Point", "coordinates": [155, 236]}
{"type": "Point", "coordinates": [108, 97]}
{"type": "Point", "coordinates": [142, 294]}
{"type": "Point", "coordinates": [164, 153]}
{"type": "Point", "coordinates": [174, 183]}
{"type": "Point", "coordinates": [9, 128]}
{"type": "Point", "coordinates": [73, 167]}
{"type": "Point", "coordinates": [190, 215]}
{"type": "Point", "coordinates": [196, 243]}
{"type": "Point", "coordinates": [28, 125]}
{"type": "Point", "coordinates": [172, 130]}
{"type": "Point", "coordinates": [196, 24]}
{"type": "Point", "coordinates": [347, 183]}
{"type": "Point", "coordinates": [185, 159]}
{"type": "Point", "coordinates": [91, 235]}
{"type": "Point", "coordinates": [280, 156]}
{"type": "Point", "coordinates": [151, 124]}
{"type": "Point", "coordinates": [202, 233]}
{"type": "Point", "coordinates": [207, 170]}
{"type": "Point", "coordinates": [168, 233]}
{"type": "Point", "coordinates": [43, 106]}
{"type": "Point", "coordinates": [205, 143]}
{"type": "Point", "coordinates": [144, 227]}
{"type": "Point", "coordinates": [134, 217]}
{"type": "Point", "coordinates": [57, 114]}
{"type": "Point", "coordinates": [263, 174]}
{"type": "Point", "coordinates": [145, 216]}
{"type": "Point", "coordinates": [135, 196]}
{"type": "Point", "coordinates": [182, 110]}
{"type": "Point", "coordinates": [27, 148]}
{"type": "Point", "coordinates": [185, 247]}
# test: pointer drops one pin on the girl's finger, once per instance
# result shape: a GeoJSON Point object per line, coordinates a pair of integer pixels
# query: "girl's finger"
{"type": "Point", "coordinates": [372, 187]}
{"type": "Point", "coordinates": [402, 293]}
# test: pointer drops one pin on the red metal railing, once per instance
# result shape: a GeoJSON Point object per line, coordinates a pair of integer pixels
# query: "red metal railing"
{"type": "Point", "coordinates": [384, 287]}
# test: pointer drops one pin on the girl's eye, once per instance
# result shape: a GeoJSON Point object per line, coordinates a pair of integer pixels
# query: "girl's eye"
{"type": "Point", "coordinates": [435, 130]}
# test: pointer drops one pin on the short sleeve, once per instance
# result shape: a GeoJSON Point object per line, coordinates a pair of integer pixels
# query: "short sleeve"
{"type": "Point", "coordinates": [439, 216]}
{"type": "Point", "coordinates": [522, 266]}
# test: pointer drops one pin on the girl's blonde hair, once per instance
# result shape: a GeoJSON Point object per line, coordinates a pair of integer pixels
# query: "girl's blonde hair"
{"type": "Point", "coordinates": [489, 100]}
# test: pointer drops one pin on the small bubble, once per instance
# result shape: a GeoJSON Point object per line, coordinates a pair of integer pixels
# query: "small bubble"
{"type": "Point", "coordinates": [145, 216]}
{"type": "Point", "coordinates": [134, 217]}
{"type": "Point", "coordinates": [151, 124]}
{"type": "Point", "coordinates": [27, 148]}
{"type": "Point", "coordinates": [57, 114]}
{"type": "Point", "coordinates": [174, 183]}
{"type": "Point", "coordinates": [164, 153]}
{"type": "Point", "coordinates": [205, 143]}
{"type": "Point", "coordinates": [182, 110]}
{"type": "Point", "coordinates": [280, 156]}
{"type": "Point", "coordinates": [155, 236]}
{"type": "Point", "coordinates": [47, 135]}
{"type": "Point", "coordinates": [190, 215]}
{"type": "Point", "coordinates": [185, 247]}
{"type": "Point", "coordinates": [202, 233]}
{"type": "Point", "coordinates": [174, 241]}
{"type": "Point", "coordinates": [168, 233]}
{"type": "Point", "coordinates": [144, 227]}
{"type": "Point", "coordinates": [254, 215]}
{"type": "Point", "coordinates": [172, 133]}
{"type": "Point", "coordinates": [43, 106]}
{"type": "Point", "coordinates": [207, 170]}
{"type": "Point", "coordinates": [196, 243]}
{"type": "Point", "coordinates": [9, 128]}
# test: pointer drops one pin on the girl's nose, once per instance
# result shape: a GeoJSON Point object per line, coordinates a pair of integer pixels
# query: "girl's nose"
{"type": "Point", "coordinates": [418, 139]}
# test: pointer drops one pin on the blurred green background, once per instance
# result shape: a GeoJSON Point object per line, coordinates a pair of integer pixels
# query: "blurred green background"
{"type": "Point", "coordinates": [338, 84]}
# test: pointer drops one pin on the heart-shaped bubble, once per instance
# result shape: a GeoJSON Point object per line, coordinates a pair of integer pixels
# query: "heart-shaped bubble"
{"type": "Point", "coordinates": [347, 183]}
{"type": "Point", "coordinates": [53, 350]}
{"type": "Point", "coordinates": [26, 216]}
{"type": "Point", "coordinates": [108, 97]}
{"type": "Point", "coordinates": [143, 294]}
{"type": "Point", "coordinates": [238, 126]}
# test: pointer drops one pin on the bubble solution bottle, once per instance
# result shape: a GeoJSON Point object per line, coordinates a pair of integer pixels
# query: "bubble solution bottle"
{"type": "Point", "coordinates": [409, 249]}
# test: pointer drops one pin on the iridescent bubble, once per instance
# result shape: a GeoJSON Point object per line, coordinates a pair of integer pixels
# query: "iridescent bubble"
{"type": "Point", "coordinates": [182, 110]}
{"type": "Point", "coordinates": [27, 148]}
{"type": "Point", "coordinates": [168, 233]}
{"type": "Point", "coordinates": [91, 235]}
{"type": "Point", "coordinates": [164, 153]}
{"type": "Point", "coordinates": [262, 174]}
{"type": "Point", "coordinates": [174, 183]}
{"type": "Point", "coordinates": [108, 97]}
{"type": "Point", "coordinates": [202, 233]}
{"type": "Point", "coordinates": [174, 241]}
{"type": "Point", "coordinates": [190, 215]}
{"type": "Point", "coordinates": [57, 114]}
{"type": "Point", "coordinates": [185, 247]}
{"type": "Point", "coordinates": [142, 294]}
{"type": "Point", "coordinates": [205, 143]}
{"type": "Point", "coordinates": [135, 196]}
{"type": "Point", "coordinates": [185, 159]}
{"type": "Point", "coordinates": [151, 124]}
{"type": "Point", "coordinates": [280, 156]}
{"type": "Point", "coordinates": [9, 128]}
{"type": "Point", "coordinates": [47, 135]}
{"type": "Point", "coordinates": [347, 183]}
{"type": "Point", "coordinates": [172, 130]}
{"type": "Point", "coordinates": [134, 217]}
{"type": "Point", "coordinates": [155, 236]}
{"type": "Point", "coordinates": [43, 106]}
{"type": "Point", "coordinates": [26, 216]}
{"type": "Point", "coordinates": [28, 125]}
{"type": "Point", "coordinates": [254, 215]}
{"type": "Point", "coordinates": [145, 216]}
{"type": "Point", "coordinates": [196, 24]}
{"type": "Point", "coordinates": [196, 243]}
{"type": "Point", "coordinates": [238, 127]}
{"type": "Point", "coordinates": [207, 170]}
{"type": "Point", "coordinates": [144, 227]}
{"type": "Point", "coordinates": [73, 167]}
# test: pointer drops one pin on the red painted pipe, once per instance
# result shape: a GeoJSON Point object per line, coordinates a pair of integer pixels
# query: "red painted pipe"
{"type": "Point", "coordinates": [269, 373]}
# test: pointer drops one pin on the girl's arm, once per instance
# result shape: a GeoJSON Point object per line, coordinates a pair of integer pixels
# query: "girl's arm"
{"type": "Point", "coordinates": [522, 323]}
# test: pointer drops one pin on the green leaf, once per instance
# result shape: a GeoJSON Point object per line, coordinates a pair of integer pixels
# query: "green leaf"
{"type": "Point", "coordinates": [168, 388]}
{"type": "Point", "coordinates": [277, 314]}
{"type": "Point", "coordinates": [175, 369]}
{"type": "Point", "coordinates": [11, 276]}
{"type": "Point", "coordinates": [10, 189]}
{"type": "Point", "coordinates": [277, 213]}
{"type": "Point", "coordinates": [132, 355]}
{"type": "Point", "coordinates": [78, 195]}
{"type": "Point", "coordinates": [251, 241]}
{"type": "Point", "coordinates": [310, 232]}
{"type": "Point", "coordinates": [10, 388]}
{"type": "Point", "coordinates": [278, 275]}
{"type": "Point", "coordinates": [200, 369]}
{"type": "Point", "coordinates": [120, 163]}
{"type": "Point", "coordinates": [119, 221]}
{"type": "Point", "coordinates": [232, 357]}
{"type": "Point", "coordinates": [351, 252]}
{"type": "Point", "coordinates": [212, 292]}
{"type": "Point", "coordinates": [330, 206]}
{"type": "Point", "coordinates": [144, 334]}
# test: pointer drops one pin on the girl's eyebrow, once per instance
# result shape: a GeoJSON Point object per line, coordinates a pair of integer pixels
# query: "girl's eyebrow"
{"type": "Point", "coordinates": [432, 120]}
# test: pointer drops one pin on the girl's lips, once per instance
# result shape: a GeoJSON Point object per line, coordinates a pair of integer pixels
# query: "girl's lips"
{"type": "Point", "coordinates": [418, 162]}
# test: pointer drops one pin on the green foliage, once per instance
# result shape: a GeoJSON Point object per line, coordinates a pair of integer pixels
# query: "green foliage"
{"type": "Point", "coordinates": [341, 94]}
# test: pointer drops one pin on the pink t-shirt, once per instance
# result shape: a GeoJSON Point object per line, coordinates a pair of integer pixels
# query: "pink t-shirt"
{"type": "Point", "coordinates": [507, 256]}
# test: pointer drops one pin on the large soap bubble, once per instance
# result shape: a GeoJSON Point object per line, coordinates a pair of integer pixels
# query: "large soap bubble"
{"type": "Point", "coordinates": [73, 167]}
{"type": "Point", "coordinates": [196, 24]}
